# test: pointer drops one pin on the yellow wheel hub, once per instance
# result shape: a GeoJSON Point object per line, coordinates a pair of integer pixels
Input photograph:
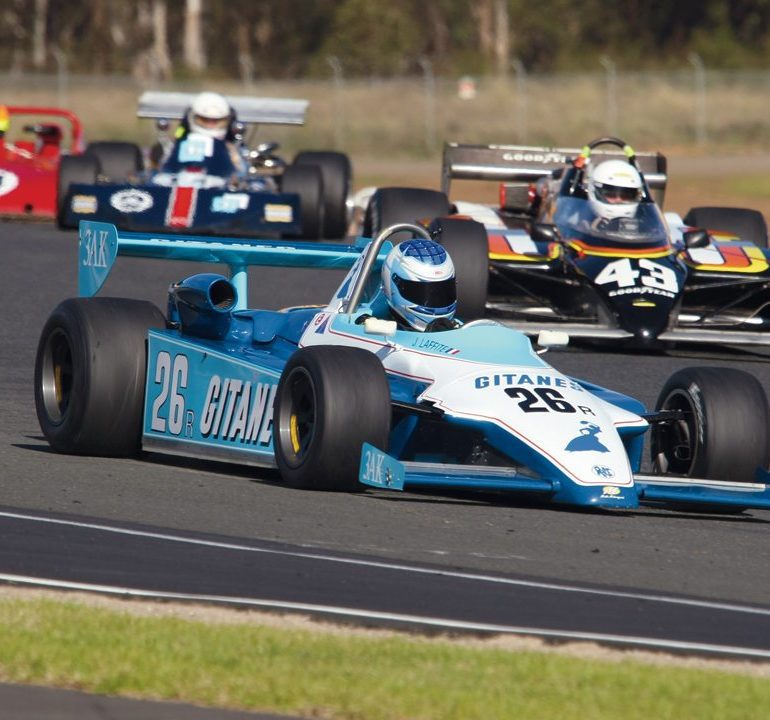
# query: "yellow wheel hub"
{"type": "Point", "coordinates": [294, 432]}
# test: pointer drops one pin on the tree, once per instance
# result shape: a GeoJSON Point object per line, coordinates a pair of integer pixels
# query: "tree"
{"type": "Point", "coordinates": [375, 38]}
{"type": "Point", "coordinates": [161, 56]}
{"type": "Point", "coordinates": [39, 35]}
{"type": "Point", "coordinates": [502, 37]}
{"type": "Point", "coordinates": [194, 54]}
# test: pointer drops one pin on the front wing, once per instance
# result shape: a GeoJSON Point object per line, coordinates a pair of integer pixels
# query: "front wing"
{"type": "Point", "coordinates": [586, 331]}
{"type": "Point", "coordinates": [155, 208]}
{"type": "Point", "coordinates": [380, 470]}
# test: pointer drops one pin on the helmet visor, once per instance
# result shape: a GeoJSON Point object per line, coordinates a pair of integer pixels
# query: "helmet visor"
{"type": "Point", "coordinates": [210, 123]}
{"type": "Point", "coordinates": [439, 294]}
{"type": "Point", "coordinates": [615, 194]}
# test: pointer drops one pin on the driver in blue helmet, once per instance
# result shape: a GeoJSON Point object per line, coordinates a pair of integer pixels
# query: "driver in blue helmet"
{"type": "Point", "coordinates": [418, 280]}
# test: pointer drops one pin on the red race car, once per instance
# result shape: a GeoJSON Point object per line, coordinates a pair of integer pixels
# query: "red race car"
{"type": "Point", "coordinates": [29, 168]}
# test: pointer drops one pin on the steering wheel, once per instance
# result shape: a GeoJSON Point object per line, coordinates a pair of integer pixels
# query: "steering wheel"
{"type": "Point", "coordinates": [582, 159]}
{"type": "Point", "coordinates": [628, 151]}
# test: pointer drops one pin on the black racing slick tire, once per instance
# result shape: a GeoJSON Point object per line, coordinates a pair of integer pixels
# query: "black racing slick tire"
{"type": "Point", "coordinates": [467, 245]}
{"type": "Point", "coordinates": [90, 375]}
{"type": "Point", "coordinates": [73, 169]}
{"type": "Point", "coordinates": [307, 182]}
{"type": "Point", "coordinates": [330, 400]}
{"type": "Point", "coordinates": [747, 224]}
{"type": "Point", "coordinates": [119, 162]}
{"type": "Point", "coordinates": [391, 205]}
{"type": "Point", "coordinates": [336, 174]}
{"type": "Point", "coordinates": [723, 429]}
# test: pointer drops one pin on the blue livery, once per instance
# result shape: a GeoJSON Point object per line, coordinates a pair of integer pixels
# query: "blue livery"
{"type": "Point", "coordinates": [339, 397]}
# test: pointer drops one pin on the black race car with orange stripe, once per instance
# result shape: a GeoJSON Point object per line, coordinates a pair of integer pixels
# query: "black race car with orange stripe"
{"type": "Point", "coordinates": [598, 260]}
{"type": "Point", "coordinates": [193, 183]}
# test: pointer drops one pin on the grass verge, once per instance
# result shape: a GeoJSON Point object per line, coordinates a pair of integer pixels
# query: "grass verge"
{"type": "Point", "coordinates": [118, 648]}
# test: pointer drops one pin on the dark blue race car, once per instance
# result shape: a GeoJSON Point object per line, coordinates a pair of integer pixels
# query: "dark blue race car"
{"type": "Point", "coordinates": [200, 184]}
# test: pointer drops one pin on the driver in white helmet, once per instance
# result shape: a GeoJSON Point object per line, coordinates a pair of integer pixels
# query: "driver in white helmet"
{"type": "Point", "coordinates": [418, 280]}
{"type": "Point", "coordinates": [207, 122]}
{"type": "Point", "coordinates": [614, 189]}
{"type": "Point", "coordinates": [211, 115]}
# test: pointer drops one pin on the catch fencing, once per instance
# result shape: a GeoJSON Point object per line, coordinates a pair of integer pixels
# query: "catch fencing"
{"type": "Point", "coordinates": [692, 108]}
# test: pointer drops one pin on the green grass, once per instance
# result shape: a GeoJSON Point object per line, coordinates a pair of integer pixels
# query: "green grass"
{"type": "Point", "coordinates": [375, 676]}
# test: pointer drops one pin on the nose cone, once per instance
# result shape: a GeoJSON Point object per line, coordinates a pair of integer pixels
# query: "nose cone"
{"type": "Point", "coordinates": [646, 337]}
{"type": "Point", "coordinates": [612, 497]}
{"type": "Point", "coordinates": [645, 318]}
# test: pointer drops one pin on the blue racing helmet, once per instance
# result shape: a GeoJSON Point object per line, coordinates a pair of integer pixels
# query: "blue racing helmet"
{"type": "Point", "coordinates": [418, 279]}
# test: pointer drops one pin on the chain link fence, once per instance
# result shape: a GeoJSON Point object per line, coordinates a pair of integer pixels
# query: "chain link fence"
{"type": "Point", "coordinates": [693, 108]}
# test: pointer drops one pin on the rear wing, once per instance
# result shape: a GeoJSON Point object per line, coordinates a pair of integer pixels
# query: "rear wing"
{"type": "Point", "coordinates": [101, 243]}
{"type": "Point", "coordinates": [525, 164]}
{"type": "Point", "coordinates": [272, 111]}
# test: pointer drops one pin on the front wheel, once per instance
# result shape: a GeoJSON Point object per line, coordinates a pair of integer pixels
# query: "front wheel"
{"type": "Point", "coordinates": [391, 205]}
{"type": "Point", "coordinates": [90, 373]}
{"type": "Point", "coordinates": [118, 161]}
{"type": "Point", "coordinates": [722, 430]}
{"type": "Point", "coordinates": [307, 182]}
{"type": "Point", "coordinates": [467, 245]}
{"type": "Point", "coordinates": [73, 169]}
{"type": "Point", "coordinates": [336, 174]}
{"type": "Point", "coordinates": [330, 400]}
{"type": "Point", "coordinates": [748, 225]}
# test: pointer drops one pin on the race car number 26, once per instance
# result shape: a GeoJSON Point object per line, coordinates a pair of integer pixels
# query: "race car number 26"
{"type": "Point", "coordinates": [540, 400]}
{"type": "Point", "coordinates": [171, 376]}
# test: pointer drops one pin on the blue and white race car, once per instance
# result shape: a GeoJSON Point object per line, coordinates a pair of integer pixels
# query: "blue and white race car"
{"type": "Point", "coordinates": [338, 397]}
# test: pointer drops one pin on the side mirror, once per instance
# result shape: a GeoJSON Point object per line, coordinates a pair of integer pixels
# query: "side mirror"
{"type": "Point", "coordinates": [376, 326]}
{"type": "Point", "coordinates": [547, 339]}
{"type": "Point", "coordinates": [544, 232]}
{"type": "Point", "coordinates": [266, 148]}
{"type": "Point", "coordinates": [697, 238]}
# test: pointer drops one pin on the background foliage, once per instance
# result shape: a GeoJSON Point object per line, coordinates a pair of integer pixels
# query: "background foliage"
{"type": "Point", "coordinates": [165, 39]}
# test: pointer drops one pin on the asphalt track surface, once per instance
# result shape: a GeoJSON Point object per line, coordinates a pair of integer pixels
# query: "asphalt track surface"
{"type": "Point", "coordinates": [165, 527]}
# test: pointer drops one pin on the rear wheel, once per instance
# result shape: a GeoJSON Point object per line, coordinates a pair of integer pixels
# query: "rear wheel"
{"type": "Point", "coordinates": [307, 182]}
{"type": "Point", "coordinates": [119, 162]}
{"type": "Point", "coordinates": [723, 428]}
{"type": "Point", "coordinates": [73, 169]}
{"type": "Point", "coordinates": [90, 373]}
{"type": "Point", "coordinates": [330, 400]}
{"type": "Point", "coordinates": [747, 224]}
{"type": "Point", "coordinates": [336, 175]}
{"type": "Point", "coordinates": [466, 242]}
{"type": "Point", "coordinates": [391, 205]}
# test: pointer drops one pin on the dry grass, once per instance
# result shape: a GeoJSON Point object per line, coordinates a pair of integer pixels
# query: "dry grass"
{"type": "Point", "coordinates": [412, 117]}
{"type": "Point", "coordinates": [385, 125]}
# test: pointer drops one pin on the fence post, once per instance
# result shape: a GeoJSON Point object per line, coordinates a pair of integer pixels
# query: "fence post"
{"type": "Point", "coordinates": [247, 71]}
{"type": "Point", "coordinates": [612, 107]}
{"type": "Point", "coordinates": [430, 103]}
{"type": "Point", "coordinates": [336, 66]}
{"type": "Point", "coordinates": [521, 100]}
{"type": "Point", "coordinates": [700, 97]}
{"type": "Point", "coordinates": [61, 76]}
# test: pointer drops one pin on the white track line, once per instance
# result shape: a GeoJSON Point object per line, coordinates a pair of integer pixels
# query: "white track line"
{"type": "Point", "coordinates": [667, 599]}
{"type": "Point", "coordinates": [432, 622]}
